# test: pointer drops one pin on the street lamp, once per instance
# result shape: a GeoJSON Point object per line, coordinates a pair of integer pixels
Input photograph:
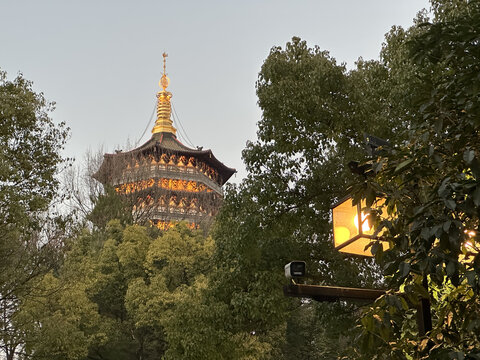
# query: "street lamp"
{"type": "Point", "coordinates": [352, 228]}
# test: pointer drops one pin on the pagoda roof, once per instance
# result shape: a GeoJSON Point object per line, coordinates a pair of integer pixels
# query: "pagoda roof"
{"type": "Point", "coordinates": [166, 142]}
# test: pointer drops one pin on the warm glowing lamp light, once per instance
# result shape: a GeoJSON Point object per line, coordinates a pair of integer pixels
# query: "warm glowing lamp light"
{"type": "Point", "coordinates": [469, 247]}
{"type": "Point", "coordinates": [350, 237]}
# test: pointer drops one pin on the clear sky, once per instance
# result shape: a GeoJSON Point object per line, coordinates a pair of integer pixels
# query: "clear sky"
{"type": "Point", "coordinates": [101, 61]}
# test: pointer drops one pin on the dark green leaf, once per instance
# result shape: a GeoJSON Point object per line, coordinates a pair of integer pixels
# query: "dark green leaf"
{"type": "Point", "coordinates": [475, 166]}
{"type": "Point", "coordinates": [451, 268]}
{"type": "Point", "coordinates": [471, 277]}
{"type": "Point", "coordinates": [476, 196]}
{"type": "Point", "coordinates": [451, 204]}
{"type": "Point", "coordinates": [402, 165]}
{"type": "Point", "coordinates": [446, 225]}
{"type": "Point", "coordinates": [468, 156]}
{"type": "Point", "coordinates": [404, 269]}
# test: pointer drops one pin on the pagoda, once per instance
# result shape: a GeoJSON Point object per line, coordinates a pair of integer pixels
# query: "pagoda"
{"type": "Point", "coordinates": [165, 181]}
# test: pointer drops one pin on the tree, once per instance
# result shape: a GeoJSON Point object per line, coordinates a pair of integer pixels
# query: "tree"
{"type": "Point", "coordinates": [109, 206]}
{"type": "Point", "coordinates": [83, 189]}
{"type": "Point", "coordinates": [124, 292]}
{"type": "Point", "coordinates": [29, 161]}
{"type": "Point", "coordinates": [58, 319]}
{"type": "Point", "coordinates": [430, 183]}
{"type": "Point", "coordinates": [315, 114]}
{"type": "Point", "coordinates": [173, 268]}
{"type": "Point", "coordinates": [117, 261]}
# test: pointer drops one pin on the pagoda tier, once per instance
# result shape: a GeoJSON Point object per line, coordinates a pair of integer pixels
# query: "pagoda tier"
{"type": "Point", "coordinates": [164, 156]}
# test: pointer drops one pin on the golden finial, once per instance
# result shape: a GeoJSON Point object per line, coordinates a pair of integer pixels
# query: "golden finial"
{"type": "Point", "coordinates": [164, 108]}
{"type": "Point", "coordinates": [164, 81]}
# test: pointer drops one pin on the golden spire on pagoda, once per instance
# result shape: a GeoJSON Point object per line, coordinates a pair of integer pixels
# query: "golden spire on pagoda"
{"type": "Point", "coordinates": [164, 107]}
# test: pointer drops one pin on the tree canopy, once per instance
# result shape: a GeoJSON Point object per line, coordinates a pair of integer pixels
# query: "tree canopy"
{"type": "Point", "coordinates": [124, 291]}
{"type": "Point", "coordinates": [29, 161]}
{"type": "Point", "coordinates": [430, 183]}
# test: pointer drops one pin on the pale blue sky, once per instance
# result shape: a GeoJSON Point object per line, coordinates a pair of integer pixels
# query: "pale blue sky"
{"type": "Point", "coordinates": [100, 61]}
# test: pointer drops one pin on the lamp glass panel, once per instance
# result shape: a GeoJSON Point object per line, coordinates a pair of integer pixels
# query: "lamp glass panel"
{"type": "Point", "coordinates": [347, 223]}
{"type": "Point", "coordinates": [358, 247]}
{"type": "Point", "coordinates": [344, 228]}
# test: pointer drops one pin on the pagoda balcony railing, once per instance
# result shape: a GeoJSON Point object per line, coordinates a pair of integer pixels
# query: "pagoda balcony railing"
{"type": "Point", "coordinates": [158, 215]}
{"type": "Point", "coordinates": [178, 168]}
{"type": "Point", "coordinates": [168, 172]}
{"type": "Point", "coordinates": [167, 210]}
{"type": "Point", "coordinates": [176, 210]}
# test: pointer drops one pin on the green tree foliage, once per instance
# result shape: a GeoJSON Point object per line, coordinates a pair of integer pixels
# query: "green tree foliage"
{"type": "Point", "coordinates": [315, 114]}
{"type": "Point", "coordinates": [30, 154]}
{"type": "Point", "coordinates": [109, 206]}
{"type": "Point", "coordinates": [126, 292]}
{"type": "Point", "coordinates": [60, 322]}
{"type": "Point", "coordinates": [29, 160]}
{"type": "Point", "coordinates": [431, 187]}
{"type": "Point", "coordinates": [123, 292]}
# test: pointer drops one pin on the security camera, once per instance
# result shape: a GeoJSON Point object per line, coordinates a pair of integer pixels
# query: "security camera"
{"type": "Point", "coordinates": [295, 269]}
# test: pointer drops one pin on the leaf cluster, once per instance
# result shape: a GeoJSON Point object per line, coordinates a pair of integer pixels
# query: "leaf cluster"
{"type": "Point", "coordinates": [430, 184]}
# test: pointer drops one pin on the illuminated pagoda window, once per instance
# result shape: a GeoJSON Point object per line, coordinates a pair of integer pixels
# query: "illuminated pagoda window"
{"type": "Point", "coordinates": [164, 180]}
